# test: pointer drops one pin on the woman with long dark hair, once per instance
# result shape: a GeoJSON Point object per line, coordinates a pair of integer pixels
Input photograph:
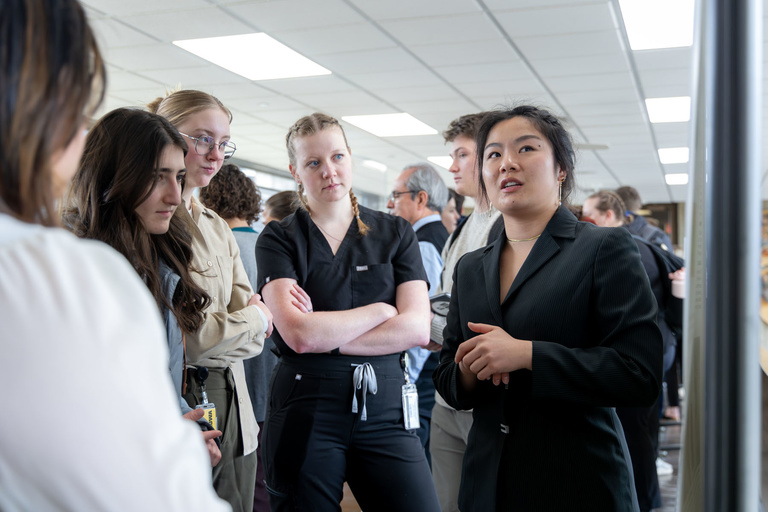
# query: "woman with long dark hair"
{"type": "Point", "coordinates": [125, 194]}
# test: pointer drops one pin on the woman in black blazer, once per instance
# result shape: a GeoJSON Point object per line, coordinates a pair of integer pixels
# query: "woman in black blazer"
{"type": "Point", "coordinates": [550, 327]}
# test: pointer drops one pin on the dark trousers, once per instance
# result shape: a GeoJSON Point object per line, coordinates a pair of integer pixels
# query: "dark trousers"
{"type": "Point", "coordinates": [641, 430]}
{"type": "Point", "coordinates": [235, 474]}
{"type": "Point", "coordinates": [313, 441]}
{"type": "Point", "coordinates": [426, 388]}
{"type": "Point", "coordinates": [260, 494]}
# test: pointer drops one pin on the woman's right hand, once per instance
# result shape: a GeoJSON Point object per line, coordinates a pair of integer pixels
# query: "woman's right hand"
{"type": "Point", "coordinates": [256, 301]}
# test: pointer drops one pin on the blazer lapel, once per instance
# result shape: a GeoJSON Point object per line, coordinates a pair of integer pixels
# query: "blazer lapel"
{"type": "Point", "coordinates": [491, 256]}
{"type": "Point", "coordinates": [562, 225]}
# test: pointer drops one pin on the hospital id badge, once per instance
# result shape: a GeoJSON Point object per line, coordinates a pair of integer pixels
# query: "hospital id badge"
{"type": "Point", "coordinates": [209, 413]}
{"type": "Point", "coordinates": [410, 407]}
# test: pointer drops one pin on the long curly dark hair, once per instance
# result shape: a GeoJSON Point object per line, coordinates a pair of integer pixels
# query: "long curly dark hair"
{"type": "Point", "coordinates": [117, 173]}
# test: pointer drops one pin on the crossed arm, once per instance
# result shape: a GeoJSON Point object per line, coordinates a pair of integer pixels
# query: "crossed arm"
{"type": "Point", "coordinates": [375, 329]}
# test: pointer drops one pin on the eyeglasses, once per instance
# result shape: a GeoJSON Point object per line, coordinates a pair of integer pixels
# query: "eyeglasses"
{"type": "Point", "coordinates": [204, 145]}
{"type": "Point", "coordinates": [395, 195]}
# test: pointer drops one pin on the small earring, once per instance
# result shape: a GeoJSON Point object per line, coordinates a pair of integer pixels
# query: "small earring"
{"type": "Point", "coordinates": [560, 193]}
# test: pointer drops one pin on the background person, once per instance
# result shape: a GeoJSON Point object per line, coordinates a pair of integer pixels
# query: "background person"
{"type": "Point", "coordinates": [77, 361]}
{"type": "Point", "coordinates": [451, 214]}
{"type": "Point", "coordinates": [419, 195]}
{"type": "Point", "coordinates": [449, 428]}
{"type": "Point", "coordinates": [280, 205]}
{"type": "Point", "coordinates": [237, 200]}
{"type": "Point", "coordinates": [549, 328]}
{"type": "Point", "coordinates": [237, 322]}
{"type": "Point", "coordinates": [348, 291]}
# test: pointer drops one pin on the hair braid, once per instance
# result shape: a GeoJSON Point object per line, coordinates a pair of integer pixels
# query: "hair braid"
{"type": "Point", "coordinates": [361, 226]}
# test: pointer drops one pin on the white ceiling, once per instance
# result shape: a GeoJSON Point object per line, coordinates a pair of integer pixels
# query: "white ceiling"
{"type": "Point", "coordinates": [435, 59]}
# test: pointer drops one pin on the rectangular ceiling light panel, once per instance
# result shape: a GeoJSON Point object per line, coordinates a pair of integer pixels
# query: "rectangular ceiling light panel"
{"type": "Point", "coordinates": [673, 155]}
{"type": "Point", "coordinates": [654, 24]}
{"type": "Point", "coordinates": [669, 110]}
{"type": "Point", "coordinates": [680, 178]}
{"type": "Point", "coordinates": [390, 125]}
{"type": "Point", "coordinates": [254, 56]}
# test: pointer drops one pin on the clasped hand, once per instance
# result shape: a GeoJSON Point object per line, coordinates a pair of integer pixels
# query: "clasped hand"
{"type": "Point", "coordinates": [493, 354]}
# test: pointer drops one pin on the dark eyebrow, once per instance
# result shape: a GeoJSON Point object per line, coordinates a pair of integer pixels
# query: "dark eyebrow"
{"type": "Point", "coordinates": [518, 140]}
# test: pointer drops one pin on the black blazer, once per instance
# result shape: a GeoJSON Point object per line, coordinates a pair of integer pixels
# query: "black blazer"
{"type": "Point", "coordinates": [552, 440]}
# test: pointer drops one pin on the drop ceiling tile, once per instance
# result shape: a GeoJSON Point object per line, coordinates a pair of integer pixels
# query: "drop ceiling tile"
{"type": "Point", "coordinates": [569, 45]}
{"type": "Point", "coordinates": [314, 42]}
{"type": "Point", "coordinates": [668, 58]}
{"type": "Point", "coordinates": [122, 8]}
{"type": "Point", "coordinates": [309, 84]}
{"type": "Point", "coordinates": [601, 108]}
{"type": "Point", "coordinates": [485, 73]}
{"type": "Point", "coordinates": [282, 15]}
{"type": "Point", "coordinates": [442, 29]}
{"type": "Point", "coordinates": [591, 82]}
{"type": "Point", "coordinates": [666, 77]}
{"type": "Point", "coordinates": [519, 4]}
{"type": "Point", "coordinates": [370, 61]}
{"type": "Point", "coordinates": [188, 24]}
{"type": "Point", "coordinates": [153, 56]}
{"type": "Point", "coordinates": [112, 33]}
{"type": "Point", "coordinates": [666, 91]}
{"type": "Point", "coordinates": [503, 89]}
{"type": "Point", "coordinates": [193, 78]}
{"type": "Point", "coordinates": [387, 80]}
{"type": "Point", "coordinates": [579, 65]}
{"type": "Point", "coordinates": [340, 100]}
{"type": "Point", "coordinates": [398, 9]}
{"type": "Point", "coordinates": [590, 98]}
{"type": "Point", "coordinates": [435, 92]}
{"type": "Point", "coordinates": [119, 80]}
{"type": "Point", "coordinates": [459, 54]}
{"type": "Point", "coordinates": [556, 20]}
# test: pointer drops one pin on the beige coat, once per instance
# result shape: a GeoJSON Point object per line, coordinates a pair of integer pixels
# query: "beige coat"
{"type": "Point", "coordinates": [232, 330]}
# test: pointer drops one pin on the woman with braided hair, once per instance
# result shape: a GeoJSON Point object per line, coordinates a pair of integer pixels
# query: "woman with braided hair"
{"type": "Point", "coordinates": [349, 294]}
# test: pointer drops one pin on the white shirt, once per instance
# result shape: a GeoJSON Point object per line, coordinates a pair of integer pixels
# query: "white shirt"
{"type": "Point", "coordinates": [90, 417]}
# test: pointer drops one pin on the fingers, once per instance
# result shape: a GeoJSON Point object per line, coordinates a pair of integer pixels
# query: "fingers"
{"type": "Point", "coordinates": [210, 435]}
{"type": "Point", "coordinates": [464, 349]}
{"type": "Point", "coordinates": [194, 414]}
{"type": "Point", "coordinates": [270, 328]}
{"type": "Point", "coordinates": [480, 328]}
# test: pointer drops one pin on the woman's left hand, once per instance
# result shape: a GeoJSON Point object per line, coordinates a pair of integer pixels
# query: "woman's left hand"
{"type": "Point", "coordinates": [493, 353]}
{"type": "Point", "coordinates": [302, 302]}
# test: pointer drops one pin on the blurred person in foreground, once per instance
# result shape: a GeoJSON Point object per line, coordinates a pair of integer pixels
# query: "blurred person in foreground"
{"type": "Point", "coordinates": [101, 426]}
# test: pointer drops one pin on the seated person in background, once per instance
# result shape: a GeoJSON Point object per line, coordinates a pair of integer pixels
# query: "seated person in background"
{"type": "Point", "coordinates": [95, 424]}
{"type": "Point", "coordinates": [237, 200]}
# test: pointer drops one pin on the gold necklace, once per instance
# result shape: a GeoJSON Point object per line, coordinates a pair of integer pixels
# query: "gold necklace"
{"type": "Point", "coordinates": [327, 233]}
{"type": "Point", "coordinates": [523, 239]}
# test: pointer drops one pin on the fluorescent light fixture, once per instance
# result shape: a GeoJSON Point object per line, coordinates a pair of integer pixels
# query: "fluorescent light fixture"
{"type": "Point", "coordinates": [254, 56]}
{"type": "Point", "coordinates": [443, 161]}
{"type": "Point", "coordinates": [669, 110]}
{"type": "Point", "coordinates": [390, 125]}
{"type": "Point", "coordinates": [654, 24]}
{"type": "Point", "coordinates": [680, 178]}
{"type": "Point", "coordinates": [373, 164]}
{"type": "Point", "coordinates": [673, 155]}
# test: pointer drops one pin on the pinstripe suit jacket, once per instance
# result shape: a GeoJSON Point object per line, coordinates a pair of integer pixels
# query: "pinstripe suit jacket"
{"type": "Point", "coordinates": [551, 440]}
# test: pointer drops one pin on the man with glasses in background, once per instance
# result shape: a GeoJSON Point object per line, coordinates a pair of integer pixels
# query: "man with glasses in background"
{"type": "Point", "coordinates": [419, 197]}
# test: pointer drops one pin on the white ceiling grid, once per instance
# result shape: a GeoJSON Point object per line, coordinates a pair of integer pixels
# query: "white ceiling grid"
{"type": "Point", "coordinates": [435, 59]}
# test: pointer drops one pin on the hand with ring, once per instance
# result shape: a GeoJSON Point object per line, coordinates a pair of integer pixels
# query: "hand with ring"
{"type": "Point", "coordinates": [302, 302]}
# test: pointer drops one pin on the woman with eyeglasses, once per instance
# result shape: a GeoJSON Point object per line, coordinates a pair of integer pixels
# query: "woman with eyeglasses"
{"type": "Point", "coordinates": [237, 321]}
{"type": "Point", "coordinates": [93, 421]}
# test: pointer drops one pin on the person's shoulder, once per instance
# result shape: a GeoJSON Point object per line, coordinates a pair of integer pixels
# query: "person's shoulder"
{"type": "Point", "coordinates": [384, 221]}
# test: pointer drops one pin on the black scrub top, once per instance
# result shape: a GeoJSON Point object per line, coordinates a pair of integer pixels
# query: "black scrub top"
{"type": "Point", "coordinates": [366, 269]}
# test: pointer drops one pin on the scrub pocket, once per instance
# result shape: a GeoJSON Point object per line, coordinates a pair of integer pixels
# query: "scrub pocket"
{"type": "Point", "coordinates": [373, 283]}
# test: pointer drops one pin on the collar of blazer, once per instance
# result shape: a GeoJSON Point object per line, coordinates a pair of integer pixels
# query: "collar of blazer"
{"type": "Point", "coordinates": [562, 225]}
